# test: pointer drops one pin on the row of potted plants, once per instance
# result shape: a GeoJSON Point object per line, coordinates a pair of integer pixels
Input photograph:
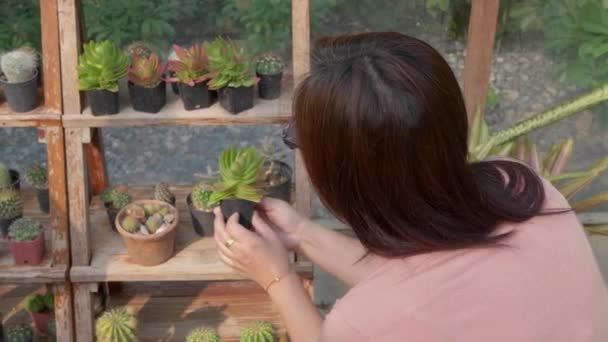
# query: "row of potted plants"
{"type": "Point", "coordinates": [120, 325]}
{"type": "Point", "coordinates": [41, 308]}
{"type": "Point", "coordinates": [20, 76]}
{"type": "Point", "coordinates": [200, 74]}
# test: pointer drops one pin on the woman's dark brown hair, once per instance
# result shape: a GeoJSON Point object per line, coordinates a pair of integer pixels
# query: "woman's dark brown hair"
{"type": "Point", "coordinates": [382, 127]}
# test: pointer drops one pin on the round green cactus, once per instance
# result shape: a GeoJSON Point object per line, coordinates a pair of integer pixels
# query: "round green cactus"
{"type": "Point", "coordinates": [162, 193]}
{"type": "Point", "coordinates": [117, 198]}
{"type": "Point", "coordinates": [130, 224]}
{"type": "Point", "coordinates": [19, 66]}
{"type": "Point", "coordinates": [37, 176]}
{"type": "Point", "coordinates": [11, 205]}
{"type": "Point", "coordinates": [269, 64]}
{"type": "Point", "coordinates": [116, 325]}
{"type": "Point", "coordinates": [24, 229]}
{"type": "Point", "coordinates": [5, 176]}
{"type": "Point", "coordinates": [201, 195]}
{"type": "Point", "coordinates": [203, 335]}
{"type": "Point", "coordinates": [20, 333]}
{"type": "Point", "coordinates": [259, 331]}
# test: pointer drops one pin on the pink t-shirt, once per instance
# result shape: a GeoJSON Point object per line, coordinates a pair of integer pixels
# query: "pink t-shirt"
{"type": "Point", "coordinates": [545, 286]}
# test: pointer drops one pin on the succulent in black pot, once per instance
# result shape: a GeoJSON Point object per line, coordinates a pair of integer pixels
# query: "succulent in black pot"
{"type": "Point", "coordinates": [147, 90]}
{"type": "Point", "coordinates": [191, 74]}
{"type": "Point", "coordinates": [37, 176]}
{"type": "Point", "coordinates": [269, 69]}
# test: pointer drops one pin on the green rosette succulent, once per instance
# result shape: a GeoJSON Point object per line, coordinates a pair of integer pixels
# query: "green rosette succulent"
{"type": "Point", "coordinates": [239, 175]}
{"type": "Point", "coordinates": [231, 66]}
{"type": "Point", "coordinates": [101, 66]}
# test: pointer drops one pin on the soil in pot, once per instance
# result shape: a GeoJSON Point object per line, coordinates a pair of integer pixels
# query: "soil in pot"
{"type": "Point", "coordinates": [43, 200]}
{"type": "Point", "coordinates": [243, 207]}
{"type": "Point", "coordinates": [269, 86]}
{"type": "Point", "coordinates": [21, 97]}
{"type": "Point", "coordinates": [5, 223]}
{"type": "Point", "coordinates": [103, 102]}
{"type": "Point", "coordinates": [28, 253]}
{"type": "Point", "coordinates": [236, 100]}
{"type": "Point", "coordinates": [202, 221]}
{"type": "Point", "coordinates": [41, 320]}
{"type": "Point", "coordinates": [149, 250]}
{"type": "Point", "coordinates": [15, 180]}
{"type": "Point", "coordinates": [277, 180]}
{"type": "Point", "coordinates": [148, 100]}
{"type": "Point", "coordinates": [195, 97]}
{"type": "Point", "coordinates": [112, 212]}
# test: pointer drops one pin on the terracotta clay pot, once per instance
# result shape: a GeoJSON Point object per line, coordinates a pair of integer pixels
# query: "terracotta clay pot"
{"type": "Point", "coordinates": [149, 250]}
{"type": "Point", "coordinates": [41, 320]}
{"type": "Point", "coordinates": [28, 253]}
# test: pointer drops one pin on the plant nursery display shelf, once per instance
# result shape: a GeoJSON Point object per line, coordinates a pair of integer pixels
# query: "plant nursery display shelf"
{"type": "Point", "coordinates": [46, 272]}
{"type": "Point", "coordinates": [195, 257]}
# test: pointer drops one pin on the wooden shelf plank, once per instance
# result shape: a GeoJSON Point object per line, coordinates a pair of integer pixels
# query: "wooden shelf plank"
{"type": "Point", "coordinates": [30, 120]}
{"type": "Point", "coordinates": [46, 272]}
{"type": "Point", "coordinates": [264, 112]}
{"type": "Point", "coordinates": [195, 258]}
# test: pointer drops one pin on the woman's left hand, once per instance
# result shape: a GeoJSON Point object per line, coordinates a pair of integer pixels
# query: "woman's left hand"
{"type": "Point", "coordinates": [259, 255]}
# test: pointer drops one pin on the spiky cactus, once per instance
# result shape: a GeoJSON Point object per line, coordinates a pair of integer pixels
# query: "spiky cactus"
{"type": "Point", "coordinates": [20, 333]}
{"type": "Point", "coordinates": [37, 176]}
{"type": "Point", "coordinates": [5, 176]}
{"type": "Point", "coordinates": [203, 335]}
{"type": "Point", "coordinates": [117, 198]}
{"type": "Point", "coordinates": [269, 64]}
{"type": "Point", "coordinates": [201, 196]}
{"type": "Point", "coordinates": [19, 66]}
{"type": "Point", "coordinates": [130, 224]}
{"type": "Point", "coordinates": [116, 325]}
{"type": "Point", "coordinates": [259, 331]}
{"type": "Point", "coordinates": [24, 229]}
{"type": "Point", "coordinates": [11, 205]}
{"type": "Point", "coordinates": [162, 193]}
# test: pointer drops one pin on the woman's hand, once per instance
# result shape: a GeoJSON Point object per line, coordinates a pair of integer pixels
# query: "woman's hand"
{"type": "Point", "coordinates": [288, 222]}
{"type": "Point", "coordinates": [259, 255]}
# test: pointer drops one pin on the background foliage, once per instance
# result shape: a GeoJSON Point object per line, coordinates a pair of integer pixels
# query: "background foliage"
{"type": "Point", "coordinates": [19, 24]}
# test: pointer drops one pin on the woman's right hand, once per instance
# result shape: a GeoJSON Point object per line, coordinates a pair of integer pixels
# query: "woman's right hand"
{"type": "Point", "coordinates": [285, 219]}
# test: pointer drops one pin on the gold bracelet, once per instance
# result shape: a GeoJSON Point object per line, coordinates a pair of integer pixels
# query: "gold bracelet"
{"type": "Point", "coordinates": [276, 280]}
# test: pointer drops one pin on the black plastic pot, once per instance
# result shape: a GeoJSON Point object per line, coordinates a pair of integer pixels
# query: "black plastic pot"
{"type": "Point", "coordinates": [195, 97]}
{"type": "Point", "coordinates": [280, 191]}
{"type": "Point", "coordinates": [112, 213]}
{"type": "Point", "coordinates": [236, 100]}
{"type": "Point", "coordinates": [15, 180]}
{"type": "Point", "coordinates": [5, 223]}
{"type": "Point", "coordinates": [243, 207]}
{"type": "Point", "coordinates": [21, 97]}
{"type": "Point", "coordinates": [103, 102]}
{"type": "Point", "coordinates": [202, 221]}
{"type": "Point", "coordinates": [174, 86]}
{"type": "Point", "coordinates": [43, 200]}
{"type": "Point", "coordinates": [269, 86]}
{"type": "Point", "coordinates": [148, 100]}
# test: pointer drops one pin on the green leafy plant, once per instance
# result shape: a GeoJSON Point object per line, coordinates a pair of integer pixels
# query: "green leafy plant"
{"type": "Point", "coordinates": [201, 196]}
{"type": "Point", "coordinates": [202, 335]}
{"type": "Point", "coordinates": [231, 66]}
{"type": "Point", "coordinates": [19, 24]}
{"type": "Point", "coordinates": [116, 325]}
{"type": "Point", "coordinates": [259, 331]}
{"type": "Point", "coordinates": [191, 65]}
{"type": "Point", "coordinates": [239, 175]}
{"type": "Point", "coordinates": [163, 193]}
{"type": "Point", "coordinates": [5, 176]}
{"type": "Point", "coordinates": [269, 64]}
{"type": "Point", "coordinates": [146, 72]}
{"type": "Point", "coordinates": [37, 176]}
{"type": "Point", "coordinates": [40, 302]}
{"type": "Point", "coordinates": [19, 66]}
{"type": "Point", "coordinates": [101, 66]}
{"type": "Point", "coordinates": [24, 229]}
{"type": "Point", "coordinates": [19, 333]}
{"type": "Point", "coordinates": [118, 198]}
{"type": "Point", "coordinates": [11, 205]}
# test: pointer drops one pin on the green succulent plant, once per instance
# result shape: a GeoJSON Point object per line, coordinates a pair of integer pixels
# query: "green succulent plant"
{"type": "Point", "coordinates": [231, 66]}
{"type": "Point", "coordinates": [116, 325]}
{"type": "Point", "coordinates": [20, 333]}
{"type": "Point", "coordinates": [11, 205]}
{"type": "Point", "coordinates": [101, 66]}
{"type": "Point", "coordinates": [5, 176]}
{"type": "Point", "coordinates": [163, 193]}
{"type": "Point", "coordinates": [24, 229]}
{"type": "Point", "coordinates": [191, 66]}
{"type": "Point", "coordinates": [239, 175]}
{"type": "Point", "coordinates": [269, 64]}
{"type": "Point", "coordinates": [139, 49]}
{"type": "Point", "coordinates": [130, 224]}
{"type": "Point", "coordinates": [203, 335]}
{"type": "Point", "coordinates": [40, 302]}
{"type": "Point", "coordinates": [19, 66]}
{"type": "Point", "coordinates": [37, 176]}
{"type": "Point", "coordinates": [259, 331]}
{"type": "Point", "coordinates": [201, 196]}
{"type": "Point", "coordinates": [146, 72]}
{"type": "Point", "coordinates": [116, 197]}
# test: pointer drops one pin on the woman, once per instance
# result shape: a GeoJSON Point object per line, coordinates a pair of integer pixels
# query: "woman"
{"type": "Point", "coordinates": [445, 250]}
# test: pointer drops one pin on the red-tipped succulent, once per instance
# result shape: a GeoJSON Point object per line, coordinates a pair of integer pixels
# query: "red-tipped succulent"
{"type": "Point", "coordinates": [191, 67]}
{"type": "Point", "coordinates": [146, 72]}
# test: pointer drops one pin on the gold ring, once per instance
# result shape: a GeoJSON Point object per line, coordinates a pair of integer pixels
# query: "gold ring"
{"type": "Point", "coordinates": [229, 243]}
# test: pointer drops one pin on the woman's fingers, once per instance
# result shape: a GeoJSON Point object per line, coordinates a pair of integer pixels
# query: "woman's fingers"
{"type": "Point", "coordinates": [238, 232]}
{"type": "Point", "coordinates": [232, 263]}
{"type": "Point", "coordinates": [262, 228]}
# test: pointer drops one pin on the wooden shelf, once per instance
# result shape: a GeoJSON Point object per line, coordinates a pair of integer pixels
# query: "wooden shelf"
{"type": "Point", "coordinates": [195, 258]}
{"type": "Point", "coordinates": [46, 272]}
{"type": "Point", "coordinates": [264, 112]}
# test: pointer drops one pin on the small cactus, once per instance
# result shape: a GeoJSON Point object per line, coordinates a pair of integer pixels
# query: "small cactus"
{"type": "Point", "coordinates": [162, 193]}
{"type": "Point", "coordinates": [116, 325]}
{"type": "Point", "coordinates": [5, 176]}
{"type": "Point", "coordinates": [24, 229]}
{"type": "Point", "coordinates": [259, 331]}
{"type": "Point", "coordinates": [154, 222]}
{"type": "Point", "coordinates": [139, 49]}
{"type": "Point", "coordinates": [19, 66]}
{"type": "Point", "coordinates": [37, 176]}
{"type": "Point", "coordinates": [20, 333]}
{"type": "Point", "coordinates": [269, 64]}
{"type": "Point", "coordinates": [40, 302]}
{"type": "Point", "coordinates": [117, 198]}
{"type": "Point", "coordinates": [203, 335]}
{"type": "Point", "coordinates": [11, 205]}
{"type": "Point", "coordinates": [201, 195]}
{"type": "Point", "coordinates": [130, 224]}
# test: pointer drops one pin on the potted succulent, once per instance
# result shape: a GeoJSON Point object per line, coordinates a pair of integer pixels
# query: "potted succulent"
{"type": "Point", "coordinates": [163, 193]}
{"type": "Point", "coordinates": [233, 76]}
{"type": "Point", "coordinates": [41, 308]}
{"type": "Point", "coordinates": [100, 68]}
{"type": "Point", "coordinates": [148, 228]}
{"type": "Point", "coordinates": [269, 69]}
{"type": "Point", "coordinates": [9, 178]}
{"type": "Point", "coordinates": [191, 75]}
{"type": "Point", "coordinates": [147, 90]}
{"type": "Point", "coordinates": [276, 174]}
{"type": "Point", "coordinates": [26, 241]}
{"type": "Point", "coordinates": [203, 334]}
{"type": "Point", "coordinates": [37, 176]}
{"type": "Point", "coordinates": [139, 49]}
{"type": "Point", "coordinates": [20, 333]}
{"type": "Point", "coordinates": [114, 200]}
{"type": "Point", "coordinates": [11, 208]}
{"type": "Point", "coordinates": [116, 325]}
{"type": "Point", "coordinates": [201, 209]}
{"type": "Point", "coordinates": [239, 188]}
{"type": "Point", "coordinates": [259, 331]}
{"type": "Point", "coordinates": [19, 78]}
{"type": "Point", "coordinates": [36, 54]}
